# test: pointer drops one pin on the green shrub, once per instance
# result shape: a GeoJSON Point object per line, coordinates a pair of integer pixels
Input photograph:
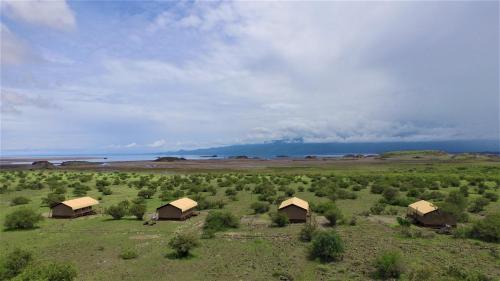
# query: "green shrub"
{"type": "Point", "coordinates": [377, 209]}
{"type": "Point", "coordinates": [487, 229]}
{"type": "Point", "coordinates": [19, 200]}
{"type": "Point", "coordinates": [461, 232]}
{"type": "Point", "coordinates": [219, 221]}
{"type": "Point", "coordinates": [321, 208]}
{"type": "Point", "coordinates": [307, 232]}
{"type": "Point", "coordinates": [128, 254]}
{"type": "Point", "coordinates": [493, 197]}
{"type": "Point", "coordinates": [377, 188]}
{"type": "Point", "coordinates": [478, 204]}
{"type": "Point", "coordinates": [53, 199]}
{"type": "Point", "coordinates": [403, 222]}
{"type": "Point", "coordinates": [390, 194]}
{"type": "Point", "coordinates": [182, 243]}
{"type": "Point", "coordinates": [14, 263]}
{"type": "Point", "coordinates": [389, 265]}
{"type": "Point", "coordinates": [326, 246]}
{"type": "Point", "coordinates": [48, 272]}
{"type": "Point", "coordinates": [420, 274]}
{"type": "Point", "coordinates": [22, 219]}
{"type": "Point", "coordinates": [260, 207]}
{"type": "Point", "coordinates": [280, 219]}
{"type": "Point", "coordinates": [138, 210]}
{"type": "Point", "coordinates": [117, 211]}
{"type": "Point", "coordinates": [455, 204]}
{"type": "Point", "coordinates": [334, 215]}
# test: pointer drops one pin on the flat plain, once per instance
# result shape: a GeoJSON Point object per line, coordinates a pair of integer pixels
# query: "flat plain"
{"type": "Point", "coordinates": [257, 250]}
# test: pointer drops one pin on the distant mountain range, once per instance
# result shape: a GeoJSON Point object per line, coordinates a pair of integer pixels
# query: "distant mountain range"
{"type": "Point", "coordinates": [297, 147]}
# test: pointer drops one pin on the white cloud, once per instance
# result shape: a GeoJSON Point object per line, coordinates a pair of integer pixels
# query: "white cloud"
{"type": "Point", "coordinates": [13, 50]}
{"type": "Point", "coordinates": [51, 13]}
{"type": "Point", "coordinates": [158, 143]}
{"type": "Point", "coordinates": [235, 72]}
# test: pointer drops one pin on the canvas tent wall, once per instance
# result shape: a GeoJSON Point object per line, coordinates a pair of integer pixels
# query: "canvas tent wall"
{"type": "Point", "coordinates": [179, 209]}
{"type": "Point", "coordinates": [296, 209]}
{"type": "Point", "coordinates": [428, 214]}
{"type": "Point", "coordinates": [74, 208]}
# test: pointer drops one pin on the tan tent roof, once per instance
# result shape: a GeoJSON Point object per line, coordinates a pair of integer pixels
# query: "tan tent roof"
{"type": "Point", "coordinates": [79, 203]}
{"type": "Point", "coordinates": [295, 201]}
{"type": "Point", "coordinates": [184, 204]}
{"type": "Point", "coordinates": [422, 207]}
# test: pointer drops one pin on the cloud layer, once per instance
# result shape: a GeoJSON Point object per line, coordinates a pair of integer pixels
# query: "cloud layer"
{"type": "Point", "coordinates": [183, 75]}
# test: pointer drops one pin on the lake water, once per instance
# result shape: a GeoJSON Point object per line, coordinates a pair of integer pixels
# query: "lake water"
{"type": "Point", "coordinates": [58, 159]}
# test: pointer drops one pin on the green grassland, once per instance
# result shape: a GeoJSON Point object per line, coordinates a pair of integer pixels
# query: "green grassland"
{"type": "Point", "coordinates": [256, 250]}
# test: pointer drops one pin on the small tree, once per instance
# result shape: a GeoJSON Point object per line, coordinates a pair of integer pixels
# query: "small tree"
{"type": "Point", "coordinates": [19, 200]}
{"type": "Point", "coordinates": [22, 219]}
{"type": "Point", "coordinates": [138, 210]}
{"type": "Point", "coordinates": [327, 246]}
{"type": "Point", "coordinates": [116, 211]}
{"type": "Point", "coordinates": [333, 215]}
{"type": "Point", "coordinates": [260, 207]}
{"type": "Point", "coordinates": [53, 199]}
{"type": "Point", "coordinates": [182, 243]}
{"type": "Point", "coordinates": [14, 263]}
{"type": "Point", "coordinates": [220, 220]}
{"type": "Point", "coordinates": [389, 265]}
{"type": "Point", "coordinates": [280, 219]}
{"type": "Point", "coordinates": [307, 232]}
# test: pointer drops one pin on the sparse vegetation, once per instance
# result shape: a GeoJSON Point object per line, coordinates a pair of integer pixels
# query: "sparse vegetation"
{"type": "Point", "coordinates": [369, 220]}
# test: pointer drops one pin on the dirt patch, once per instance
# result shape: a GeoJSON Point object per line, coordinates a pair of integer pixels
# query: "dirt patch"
{"type": "Point", "coordinates": [254, 221]}
{"type": "Point", "coordinates": [144, 237]}
{"type": "Point", "coordinates": [388, 220]}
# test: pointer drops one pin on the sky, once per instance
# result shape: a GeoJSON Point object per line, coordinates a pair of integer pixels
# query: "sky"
{"type": "Point", "coordinates": [97, 76]}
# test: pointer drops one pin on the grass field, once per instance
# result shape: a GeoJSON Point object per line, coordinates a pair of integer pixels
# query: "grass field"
{"type": "Point", "coordinates": [256, 250]}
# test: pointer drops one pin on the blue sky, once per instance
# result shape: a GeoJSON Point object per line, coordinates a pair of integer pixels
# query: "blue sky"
{"type": "Point", "coordinates": [95, 76]}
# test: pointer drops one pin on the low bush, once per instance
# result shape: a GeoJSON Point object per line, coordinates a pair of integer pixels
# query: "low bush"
{"type": "Point", "coordinates": [377, 209]}
{"type": "Point", "coordinates": [280, 219]}
{"type": "Point", "coordinates": [219, 221]}
{"type": "Point", "coordinates": [128, 254]}
{"type": "Point", "coordinates": [389, 265]}
{"type": "Point", "coordinates": [19, 200]}
{"type": "Point", "coordinates": [461, 232]}
{"type": "Point", "coordinates": [321, 208]}
{"type": "Point", "coordinates": [307, 232]}
{"type": "Point", "coordinates": [403, 222]}
{"type": "Point", "coordinates": [493, 197]}
{"type": "Point", "coordinates": [48, 272]}
{"type": "Point", "coordinates": [117, 211]}
{"type": "Point", "coordinates": [14, 263]}
{"type": "Point", "coordinates": [260, 207]}
{"type": "Point", "coordinates": [22, 219]}
{"type": "Point", "coordinates": [138, 210]}
{"type": "Point", "coordinates": [182, 243]}
{"type": "Point", "coordinates": [487, 229]}
{"type": "Point", "coordinates": [477, 205]}
{"type": "Point", "coordinates": [326, 246]}
{"type": "Point", "coordinates": [334, 215]}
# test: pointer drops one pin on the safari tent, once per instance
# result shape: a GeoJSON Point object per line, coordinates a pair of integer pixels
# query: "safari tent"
{"type": "Point", "coordinates": [74, 208]}
{"type": "Point", "coordinates": [179, 209]}
{"type": "Point", "coordinates": [427, 214]}
{"type": "Point", "coordinates": [295, 208]}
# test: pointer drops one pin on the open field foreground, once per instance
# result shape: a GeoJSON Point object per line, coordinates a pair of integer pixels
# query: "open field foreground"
{"type": "Point", "coordinates": [258, 250]}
